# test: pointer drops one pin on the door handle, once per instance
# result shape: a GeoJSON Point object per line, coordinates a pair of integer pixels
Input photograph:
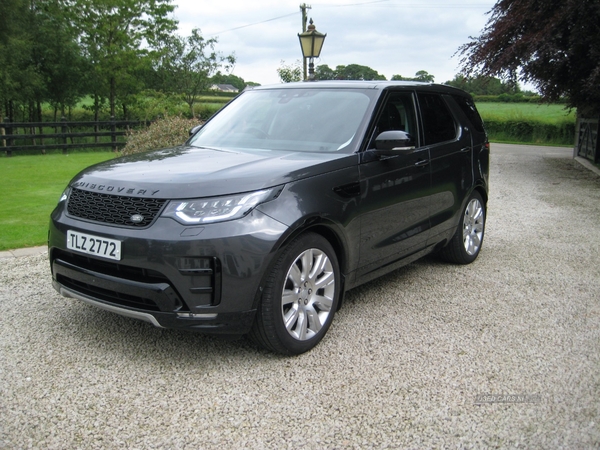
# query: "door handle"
{"type": "Point", "coordinates": [422, 163]}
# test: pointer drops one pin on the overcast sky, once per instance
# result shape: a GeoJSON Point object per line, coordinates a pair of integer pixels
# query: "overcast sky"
{"type": "Point", "coordinates": [390, 36]}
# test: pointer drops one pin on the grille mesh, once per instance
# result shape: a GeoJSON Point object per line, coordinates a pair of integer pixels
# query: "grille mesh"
{"type": "Point", "coordinates": [113, 209]}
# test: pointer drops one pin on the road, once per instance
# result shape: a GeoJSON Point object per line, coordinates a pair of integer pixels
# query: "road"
{"type": "Point", "coordinates": [502, 353]}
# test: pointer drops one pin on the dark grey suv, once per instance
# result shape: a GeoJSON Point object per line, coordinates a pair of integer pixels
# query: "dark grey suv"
{"type": "Point", "coordinates": [285, 199]}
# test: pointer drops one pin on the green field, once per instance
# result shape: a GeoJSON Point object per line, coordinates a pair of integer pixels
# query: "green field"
{"type": "Point", "coordinates": [528, 111]}
{"type": "Point", "coordinates": [31, 186]}
{"type": "Point", "coordinates": [528, 123]}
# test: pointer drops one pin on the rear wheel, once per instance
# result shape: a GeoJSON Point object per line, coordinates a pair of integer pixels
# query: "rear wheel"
{"type": "Point", "coordinates": [299, 298]}
{"type": "Point", "coordinates": [464, 247]}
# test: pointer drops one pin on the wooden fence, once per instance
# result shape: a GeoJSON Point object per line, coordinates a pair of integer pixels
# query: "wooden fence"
{"type": "Point", "coordinates": [42, 136]}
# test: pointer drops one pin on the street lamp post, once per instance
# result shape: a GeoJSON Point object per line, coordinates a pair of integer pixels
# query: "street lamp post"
{"type": "Point", "coordinates": [311, 42]}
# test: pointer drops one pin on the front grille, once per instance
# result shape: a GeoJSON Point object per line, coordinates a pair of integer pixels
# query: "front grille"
{"type": "Point", "coordinates": [119, 298]}
{"type": "Point", "coordinates": [113, 209]}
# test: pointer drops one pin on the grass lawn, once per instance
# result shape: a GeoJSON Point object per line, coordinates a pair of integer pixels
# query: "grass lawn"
{"type": "Point", "coordinates": [31, 187]}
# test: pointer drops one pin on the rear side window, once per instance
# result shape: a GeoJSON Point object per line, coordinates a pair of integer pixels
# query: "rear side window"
{"type": "Point", "coordinates": [468, 107]}
{"type": "Point", "coordinates": [438, 122]}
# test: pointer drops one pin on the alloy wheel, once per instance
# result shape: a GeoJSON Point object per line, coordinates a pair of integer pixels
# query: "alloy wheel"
{"type": "Point", "coordinates": [473, 223]}
{"type": "Point", "coordinates": [308, 294]}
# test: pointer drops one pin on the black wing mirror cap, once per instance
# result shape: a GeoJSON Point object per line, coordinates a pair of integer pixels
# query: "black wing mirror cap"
{"type": "Point", "coordinates": [393, 142]}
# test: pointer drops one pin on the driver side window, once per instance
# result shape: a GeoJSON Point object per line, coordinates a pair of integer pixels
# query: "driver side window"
{"type": "Point", "coordinates": [398, 113]}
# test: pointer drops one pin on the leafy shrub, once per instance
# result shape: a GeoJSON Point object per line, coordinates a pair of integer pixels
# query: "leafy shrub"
{"type": "Point", "coordinates": [149, 104]}
{"type": "Point", "coordinates": [507, 98]}
{"type": "Point", "coordinates": [170, 131]}
{"type": "Point", "coordinates": [529, 131]}
{"type": "Point", "coordinates": [205, 110]}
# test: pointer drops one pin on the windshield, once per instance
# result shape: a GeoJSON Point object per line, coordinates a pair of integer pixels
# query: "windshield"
{"type": "Point", "coordinates": [311, 120]}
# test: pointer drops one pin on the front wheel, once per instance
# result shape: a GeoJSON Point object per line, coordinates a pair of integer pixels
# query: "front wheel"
{"type": "Point", "coordinates": [464, 247]}
{"type": "Point", "coordinates": [299, 298]}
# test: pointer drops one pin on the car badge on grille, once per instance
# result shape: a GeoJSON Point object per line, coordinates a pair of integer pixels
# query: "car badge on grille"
{"type": "Point", "coordinates": [137, 218]}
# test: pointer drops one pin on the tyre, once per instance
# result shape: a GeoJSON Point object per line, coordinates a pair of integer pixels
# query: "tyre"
{"type": "Point", "coordinates": [299, 298]}
{"type": "Point", "coordinates": [466, 243]}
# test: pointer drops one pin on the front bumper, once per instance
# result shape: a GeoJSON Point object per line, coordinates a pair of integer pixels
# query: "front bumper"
{"type": "Point", "coordinates": [225, 323]}
{"type": "Point", "coordinates": [195, 278]}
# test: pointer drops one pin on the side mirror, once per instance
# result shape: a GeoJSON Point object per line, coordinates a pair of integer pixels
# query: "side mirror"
{"type": "Point", "coordinates": [195, 129]}
{"type": "Point", "coordinates": [392, 142]}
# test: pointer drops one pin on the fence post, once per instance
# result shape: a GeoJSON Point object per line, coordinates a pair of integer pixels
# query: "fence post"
{"type": "Point", "coordinates": [577, 146]}
{"type": "Point", "coordinates": [596, 150]}
{"type": "Point", "coordinates": [63, 119]}
{"type": "Point", "coordinates": [7, 142]}
{"type": "Point", "coordinates": [113, 135]}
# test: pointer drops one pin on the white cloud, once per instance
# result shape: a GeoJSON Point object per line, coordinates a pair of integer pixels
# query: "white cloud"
{"type": "Point", "coordinates": [390, 36]}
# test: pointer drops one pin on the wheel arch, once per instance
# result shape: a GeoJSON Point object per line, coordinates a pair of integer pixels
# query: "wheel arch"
{"type": "Point", "coordinates": [479, 188]}
{"type": "Point", "coordinates": [327, 230]}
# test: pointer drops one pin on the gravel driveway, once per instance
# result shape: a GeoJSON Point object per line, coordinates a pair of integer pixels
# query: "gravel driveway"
{"type": "Point", "coordinates": [502, 353]}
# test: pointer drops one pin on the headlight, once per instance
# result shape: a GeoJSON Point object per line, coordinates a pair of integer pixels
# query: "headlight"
{"type": "Point", "coordinates": [64, 196]}
{"type": "Point", "coordinates": [216, 209]}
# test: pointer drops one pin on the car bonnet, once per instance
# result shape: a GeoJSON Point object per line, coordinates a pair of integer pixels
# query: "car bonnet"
{"type": "Point", "coordinates": [189, 172]}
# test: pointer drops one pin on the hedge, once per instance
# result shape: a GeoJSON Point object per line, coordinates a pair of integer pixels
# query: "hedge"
{"type": "Point", "coordinates": [531, 132]}
{"type": "Point", "coordinates": [512, 98]}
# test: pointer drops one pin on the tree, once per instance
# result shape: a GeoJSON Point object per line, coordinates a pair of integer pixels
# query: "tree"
{"type": "Point", "coordinates": [424, 76]}
{"type": "Point", "coordinates": [324, 72]}
{"type": "Point", "coordinates": [483, 85]}
{"type": "Point", "coordinates": [421, 75]}
{"type": "Point", "coordinates": [115, 35]}
{"type": "Point", "coordinates": [39, 58]}
{"type": "Point", "coordinates": [10, 11]}
{"type": "Point", "coordinates": [188, 63]}
{"type": "Point", "coordinates": [290, 73]}
{"type": "Point", "coordinates": [357, 72]}
{"type": "Point", "coordinates": [349, 72]}
{"type": "Point", "coordinates": [56, 56]}
{"type": "Point", "coordinates": [553, 44]}
{"type": "Point", "coordinates": [19, 80]}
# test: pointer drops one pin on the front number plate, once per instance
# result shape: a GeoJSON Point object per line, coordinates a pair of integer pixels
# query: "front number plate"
{"type": "Point", "coordinates": [94, 245]}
